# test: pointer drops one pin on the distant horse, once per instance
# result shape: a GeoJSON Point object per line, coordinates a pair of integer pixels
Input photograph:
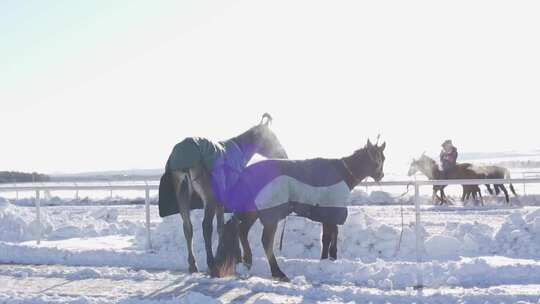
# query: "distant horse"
{"type": "Point", "coordinates": [474, 192]}
{"type": "Point", "coordinates": [272, 189]}
{"type": "Point", "coordinates": [429, 168]}
{"type": "Point", "coordinates": [496, 172]}
{"type": "Point", "coordinates": [208, 169]}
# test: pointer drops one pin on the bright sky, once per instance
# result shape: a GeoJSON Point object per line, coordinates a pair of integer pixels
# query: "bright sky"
{"type": "Point", "coordinates": [100, 85]}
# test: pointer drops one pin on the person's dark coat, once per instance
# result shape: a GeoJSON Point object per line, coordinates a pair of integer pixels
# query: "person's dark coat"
{"type": "Point", "coordinates": [449, 159]}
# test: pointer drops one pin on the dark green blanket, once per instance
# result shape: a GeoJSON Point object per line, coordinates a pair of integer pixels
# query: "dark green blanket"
{"type": "Point", "coordinates": [224, 161]}
{"type": "Point", "coordinates": [167, 197]}
{"type": "Point", "coordinates": [193, 150]}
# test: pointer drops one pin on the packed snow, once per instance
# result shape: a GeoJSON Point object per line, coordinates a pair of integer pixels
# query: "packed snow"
{"type": "Point", "coordinates": [471, 254]}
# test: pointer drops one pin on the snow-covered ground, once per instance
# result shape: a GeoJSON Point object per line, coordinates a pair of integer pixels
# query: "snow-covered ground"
{"type": "Point", "coordinates": [98, 254]}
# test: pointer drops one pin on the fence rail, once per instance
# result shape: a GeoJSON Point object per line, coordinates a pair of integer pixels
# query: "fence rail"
{"type": "Point", "coordinates": [149, 185]}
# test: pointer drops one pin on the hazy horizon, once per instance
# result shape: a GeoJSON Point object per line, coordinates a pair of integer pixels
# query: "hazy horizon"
{"type": "Point", "coordinates": [96, 86]}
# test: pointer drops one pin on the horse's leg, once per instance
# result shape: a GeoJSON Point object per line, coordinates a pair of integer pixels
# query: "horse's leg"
{"type": "Point", "coordinates": [325, 240]}
{"type": "Point", "coordinates": [203, 186]}
{"type": "Point", "coordinates": [246, 222]}
{"type": "Point", "coordinates": [269, 231]}
{"type": "Point", "coordinates": [333, 243]}
{"type": "Point", "coordinates": [465, 194]}
{"type": "Point", "coordinates": [220, 210]}
{"type": "Point", "coordinates": [184, 208]}
{"type": "Point", "coordinates": [506, 197]}
{"type": "Point", "coordinates": [207, 225]}
{"type": "Point", "coordinates": [443, 197]}
{"type": "Point", "coordinates": [489, 189]}
{"type": "Point", "coordinates": [497, 189]}
{"type": "Point", "coordinates": [434, 196]}
{"type": "Point", "coordinates": [480, 194]}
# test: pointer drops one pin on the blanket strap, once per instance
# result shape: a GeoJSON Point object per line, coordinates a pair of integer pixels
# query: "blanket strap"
{"type": "Point", "coordinates": [282, 233]}
{"type": "Point", "coordinates": [356, 179]}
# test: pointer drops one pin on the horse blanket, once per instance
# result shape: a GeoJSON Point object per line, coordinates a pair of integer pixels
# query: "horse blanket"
{"type": "Point", "coordinates": [312, 188]}
{"type": "Point", "coordinates": [223, 160]}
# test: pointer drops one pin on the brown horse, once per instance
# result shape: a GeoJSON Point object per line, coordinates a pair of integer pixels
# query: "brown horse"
{"type": "Point", "coordinates": [351, 170]}
{"type": "Point", "coordinates": [193, 162]}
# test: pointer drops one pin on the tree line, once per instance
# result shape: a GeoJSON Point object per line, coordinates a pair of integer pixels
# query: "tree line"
{"type": "Point", "coordinates": [22, 177]}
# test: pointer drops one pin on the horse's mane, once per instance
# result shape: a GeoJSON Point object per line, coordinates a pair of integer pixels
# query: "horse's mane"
{"type": "Point", "coordinates": [429, 159]}
{"type": "Point", "coordinates": [247, 136]}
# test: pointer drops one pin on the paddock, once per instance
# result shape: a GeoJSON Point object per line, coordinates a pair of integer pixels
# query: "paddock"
{"type": "Point", "coordinates": [146, 188]}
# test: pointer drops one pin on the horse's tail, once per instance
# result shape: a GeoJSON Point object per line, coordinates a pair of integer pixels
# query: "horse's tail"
{"type": "Point", "coordinates": [507, 176]}
{"type": "Point", "coordinates": [228, 249]}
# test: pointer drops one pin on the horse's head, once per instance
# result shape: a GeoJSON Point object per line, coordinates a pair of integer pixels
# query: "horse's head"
{"type": "Point", "coordinates": [260, 139]}
{"type": "Point", "coordinates": [423, 164]}
{"type": "Point", "coordinates": [376, 156]}
{"type": "Point", "coordinates": [413, 168]}
{"type": "Point", "coordinates": [373, 160]}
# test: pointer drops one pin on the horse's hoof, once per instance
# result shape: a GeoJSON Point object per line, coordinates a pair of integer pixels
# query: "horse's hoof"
{"type": "Point", "coordinates": [283, 278]}
{"type": "Point", "coordinates": [247, 265]}
{"type": "Point", "coordinates": [193, 269]}
{"type": "Point", "coordinates": [247, 261]}
{"type": "Point", "coordinates": [212, 271]}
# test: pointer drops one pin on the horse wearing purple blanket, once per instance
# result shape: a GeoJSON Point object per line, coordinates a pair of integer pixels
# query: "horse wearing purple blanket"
{"type": "Point", "coordinates": [272, 189]}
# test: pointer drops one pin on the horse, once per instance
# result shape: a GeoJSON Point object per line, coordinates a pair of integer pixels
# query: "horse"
{"type": "Point", "coordinates": [329, 217]}
{"type": "Point", "coordinates": [429, 168]}
{"type": "Point", "coordinates": [474, 191]}
{"type": "Point", "coordinates": [496, 172]}
{"type": "Point", "coordinates": [207, 169]}
{"type": "Point", "coordinates": [272, 189]}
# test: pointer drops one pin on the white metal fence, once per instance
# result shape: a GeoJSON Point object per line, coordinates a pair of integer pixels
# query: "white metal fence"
{"type": "Point", "coordinates": [147, 186]}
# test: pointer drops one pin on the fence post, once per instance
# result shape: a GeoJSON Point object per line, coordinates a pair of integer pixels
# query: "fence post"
{"type": "Point", "coordinates": [110, 194]}
{"type": "Point", "coordinates": [419, 247]}
{"type": "Point", "coordinates": [38, 216]}
{"type": "Point", "coordinates": [147, 208]}
{"type": "Point", "coordinates": [524, 190]}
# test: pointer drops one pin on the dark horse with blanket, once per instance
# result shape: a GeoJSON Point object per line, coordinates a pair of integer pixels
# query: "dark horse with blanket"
{"type": "Point", "coordinates": [199, 172]}
{"type": "Point", "coordinates": [273, 189]}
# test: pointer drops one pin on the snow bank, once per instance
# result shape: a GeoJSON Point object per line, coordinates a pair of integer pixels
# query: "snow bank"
{"type": "Point", "coordinates": [19, 224]}
{"type": "Point", "coordinates": [518, 236]}
{"type": "Point", "coordinates": [362, 237]}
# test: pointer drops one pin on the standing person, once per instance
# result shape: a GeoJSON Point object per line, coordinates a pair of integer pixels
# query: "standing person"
{"type": "Point", "coordinates": [448, 157]}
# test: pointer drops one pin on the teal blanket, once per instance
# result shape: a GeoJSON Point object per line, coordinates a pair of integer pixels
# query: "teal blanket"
{"type": "Point", "coordinates": [224, 161]}
{"type": "Point", "coordinates": [192, 150]}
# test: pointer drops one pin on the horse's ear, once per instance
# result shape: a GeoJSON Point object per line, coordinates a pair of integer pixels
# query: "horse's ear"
{"type": "Point", "coordinates": [369, 144]}
{"type": "Point", "coordinates": [383, 146]}
{"type": "Point", "coordinates": [268, 119]}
